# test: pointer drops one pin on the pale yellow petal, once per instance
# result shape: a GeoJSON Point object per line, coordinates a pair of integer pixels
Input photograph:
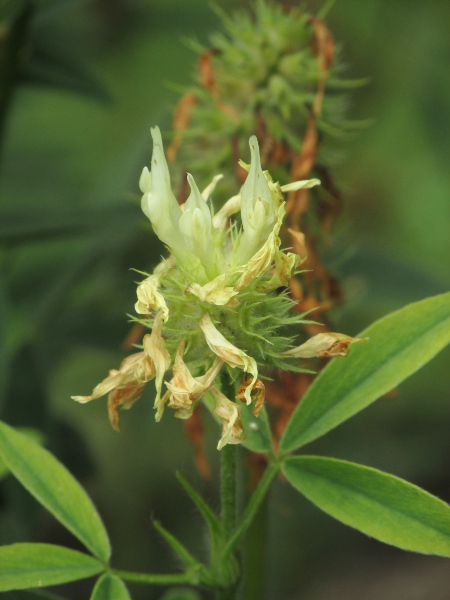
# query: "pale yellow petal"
{"type": "Point", "coordinates": [209, 189]}
{"type": "Point", "coordinates": [324, 345]}
{"type": "Point", "coordinates": [186, 390]}
{"type": "Point", "coordinates": [230, 415]}
{"type": "Point", "coordinates": [300, 185]}
{"type": "Point", "coordinates": [155, 348]}
{"type": "Point", "coordinates": [229, 353]}
{"type": "Point", "coordinates": [149, 299]}
{"type": "Point", "coordinates": [215, 292]}
{"type": "Point", "coordinates": [231, 207]}
{"type": "Point", "coordinates": [260, 262]}
{"type": "Point", "coordinates": [136, 368]}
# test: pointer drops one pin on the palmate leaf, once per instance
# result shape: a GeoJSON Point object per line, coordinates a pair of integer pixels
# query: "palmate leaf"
{"type": "Point", "coordinates": [398, 345]}
{"type": "Point", "coordinates": [382, 506]}
{"type": "Point", "coordinates": [25, 566]}
{"type": "Point", "coordinates": [55, 488]}
{"type": "Point", "coordinates": [110, 587]}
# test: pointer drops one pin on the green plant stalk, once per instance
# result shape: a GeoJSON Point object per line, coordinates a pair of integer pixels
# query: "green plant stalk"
{"type": "Point", "coordinates": [228, 489]}
{"type": "Point", "coordinates": [252, 508]}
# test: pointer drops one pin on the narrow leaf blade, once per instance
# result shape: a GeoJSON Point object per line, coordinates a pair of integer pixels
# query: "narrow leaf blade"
{"type": "Point", "coordinates": [110, 587]}
{"type": "Point", "coordinates": [55, 488]}
{"type": "Point", "coordinates": [399, 344]}
{"type": "Point", "coordinates": [211, 520]}
{"type": "Point", "coordinates": [382, 506]}
{"type": "Point", "coordinates": [186, 557]}
{"type": "Point", "coordinates": [25, 566]}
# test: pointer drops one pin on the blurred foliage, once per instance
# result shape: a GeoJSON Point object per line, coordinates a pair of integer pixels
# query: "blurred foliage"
{"type": "Point", "coordinates": [92, 76]}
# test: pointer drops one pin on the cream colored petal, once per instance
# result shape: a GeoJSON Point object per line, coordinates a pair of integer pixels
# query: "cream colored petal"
{"type": "Point", "coordinates": [186, 390]}
{"type": "Point", "coordinates": [230, 415]}
{"type": "Point", "coordinates": [324, 345]}
{"type": "Point", "coordinates": [260, 262]}
{"type": "Point", "coordinates": [300, 185]}
{"type": "Point", "coordinates": [136, 368]}
{"type": "Point", "coordinates": [215, 292]}
{"type": "Point", "coordinates": [209, 189]}
{"type": "Point", "coordinates": [231, 207]}
{"type": "Point", "coordinates": [149, 299]}
{"type": "Point", "coordinates": [228, 353]}
{"type": "Point", "coordinates": [155, 348]}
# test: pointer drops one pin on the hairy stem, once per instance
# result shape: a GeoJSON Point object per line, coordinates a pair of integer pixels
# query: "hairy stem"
{"type": "Point", "coordinates": [228, 489]}
{"type": "Point", "coordinates": [252, 508]}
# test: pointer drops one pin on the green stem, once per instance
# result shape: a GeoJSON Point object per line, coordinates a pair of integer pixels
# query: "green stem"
{"type": "Point", "coordinates": [149, 578]}
{"type": "Point", "coordinates": [228, 490]}
{"type": "Point", "coordinates": [252, 508]}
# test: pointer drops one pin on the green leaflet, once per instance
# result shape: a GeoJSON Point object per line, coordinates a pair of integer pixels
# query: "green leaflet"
{"type": "Point", "coordinates": [382, 506]}
{"type": "Point", "coordinates": [34, 434]}
{"type": "Point", "coordinates": [55, 488]}
{"type": "Point", "coordinates": [398, 345]}
{"type": "Point", "coordinates": [110, 587]}
{"type": "Point", "coordinates": [257, 430]}
{"type": "Point", "coordinates": [25, 566]}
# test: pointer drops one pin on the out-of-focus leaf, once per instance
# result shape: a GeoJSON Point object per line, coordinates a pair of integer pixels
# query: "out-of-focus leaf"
{"type": "Point", "coordinates": [25, 566]}
{"type": "Point", "coordinates": [28, 226]}
{"type": "Point", "coordinates": [180, 594]}
{"type": "Point", "coordinates": [62, 72]}
{"type": "Point", "coordinates": [110, 587]}
{"type": "Point", "coordinates": [257, 430]}
{"type": "Point", "coordinates": [55, 488]}
{"type": "Point", "coordinates": [4, 314]}
{"type": "Point", "coordinates": [398, 345]}
{"type": "Point", "coordinates": [31, 595]}
{"type": "Point", "coordinates": [382, 506]}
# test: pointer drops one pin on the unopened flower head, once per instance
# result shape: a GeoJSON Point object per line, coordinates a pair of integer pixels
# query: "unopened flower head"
{"type": "Point", "coordinates": [218, 302]}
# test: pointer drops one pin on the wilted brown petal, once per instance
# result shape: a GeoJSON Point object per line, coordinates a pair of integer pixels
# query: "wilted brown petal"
{"type": "Point", "coordinates": [258, 394]}
{"type": "Point", "coordinates": [324, 345]}
{"type": "Point", "coordinates": [125, 386]}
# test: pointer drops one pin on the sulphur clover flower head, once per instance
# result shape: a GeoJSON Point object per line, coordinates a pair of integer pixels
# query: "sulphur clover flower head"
{"type": "Point", "coordinates": [217, 303]}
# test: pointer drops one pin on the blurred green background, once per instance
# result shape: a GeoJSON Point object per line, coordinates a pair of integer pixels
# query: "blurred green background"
{"type": "Point", "coordinates": [74, 138]}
